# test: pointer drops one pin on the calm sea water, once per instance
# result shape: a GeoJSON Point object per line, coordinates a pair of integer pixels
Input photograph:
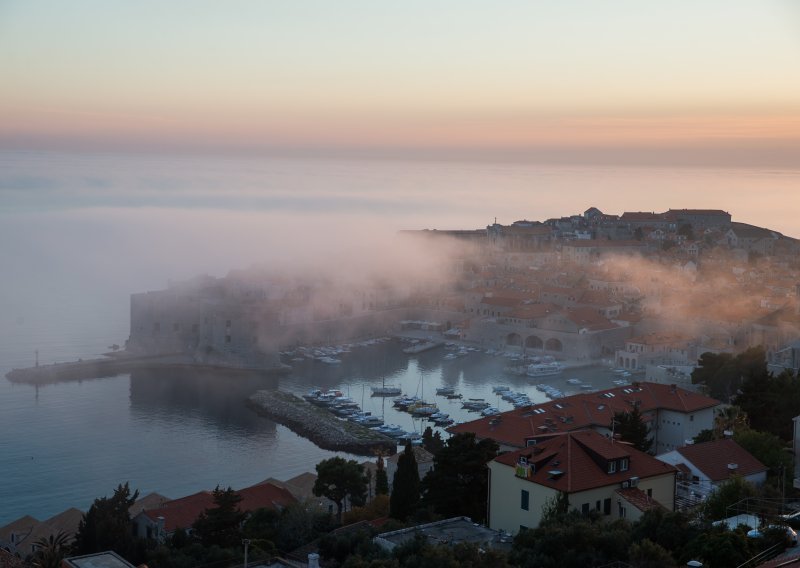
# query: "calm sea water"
{"type": "Point", "coordinates": [79, 233]}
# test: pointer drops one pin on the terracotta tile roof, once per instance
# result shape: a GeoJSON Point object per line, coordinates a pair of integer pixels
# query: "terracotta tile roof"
{"type": "Point", "coordinates": [639, 499]}
{"type": "Point", "coordinates": [712, 458]}
{"type": "Point", "coordinates": [581, 411]}
{"type": "Point", "coordinates": [660, 339]}
{"type": "Point", "coordinates": [183, 512]}
{"type": "Point", "coordinates": [700, 212]}
{"type": "Point", "coordinates": [149, 501]}
{"type": "Point", "coordinates": [20, 527]}
{"type": "Point", "coordinates": [588, 318]}
{"type": "Point", "coordinates": [533, 311]}
{"type": "Point", "coordinates": [8, 560]}
{"type": "Point", "coordinates": [66, 522]}
{"type": "Point", "coordinates": [569, 462]}
{"type": "Point", "coordinates": [501, 301]}
{"type": "Point", "coordinates": [604, 244]}
{"type": "Point", "coordinates": [641, 216]}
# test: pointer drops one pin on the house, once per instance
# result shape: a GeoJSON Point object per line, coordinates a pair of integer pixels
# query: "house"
{"type": "Point", "coordinates": [65, 522]}
{"type": "Point", "coordinates": [594, 472]}
{"type": "Point", "coordinates": [654, 349]}
{"type": "Point", "coordinates": [15, 532]}
{"type": "Point", "coordinates": [587, 252]}
{"type": "Point", "coordinates": [704, 467]}
{"type": "Point", "coordinates": [674, 414]}
{"type": "Point", "coordinates": [160, 522]}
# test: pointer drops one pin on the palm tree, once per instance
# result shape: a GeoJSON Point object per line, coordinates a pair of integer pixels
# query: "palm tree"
{"type": "Point", "coordinates": [50, 551]}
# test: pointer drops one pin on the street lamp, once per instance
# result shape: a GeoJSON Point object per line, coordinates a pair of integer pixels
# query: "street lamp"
{"type": "Point", "coordinates": [246, 543]}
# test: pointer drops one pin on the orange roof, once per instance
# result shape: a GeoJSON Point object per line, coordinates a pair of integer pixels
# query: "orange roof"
{"type": "Point", "coordinates": [576, 462]}
{"type": "Point", "coordinates": [712, 458]}
{"type": "Point", "coordinates": [604, 244]}
{"type": "Point", "coordinates": [500, 301]}
{"type": "Point", "coordinates": [533, 311]}
{"type": "Point", "coordinates": [659, 338]}
{"type": "Point", "coordinates": [639, 499]}
{"type": "Point", "coordinates": [581, 411]}
{"type": "Point", "coordinates": [589, 318]}
{"type": "Point", "coordinates": [183, 512]}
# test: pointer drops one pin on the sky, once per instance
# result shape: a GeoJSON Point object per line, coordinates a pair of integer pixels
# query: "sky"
{"type": "Point", "coordinates": [714, 82]}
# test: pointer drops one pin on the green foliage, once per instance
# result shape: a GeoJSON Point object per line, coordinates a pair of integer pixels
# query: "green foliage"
{"type": "Point", "coordinates": [718, 547]}
{"type": "Point", "coordinates": [289, 528]}
{"type": "Point", "coordinates": [338, 479]}
{"type": "Point", "coordinates": [648, 554]}
{"type": "Point", "coordinates": [770, 401]}
{"type": "Point", "coordinates": [723, 374]}
{"type": "Point", "coordinates": [221, 525]}
{"type": "Point", "coordinates": [405, 486]}
{"type": "Point", "coordinates": [459, 481]}
{"type": "Point", "coordinates": [686, 231]}
{"type": "Point", "coordinates": [192, 556]}
{"type": "Point", "coordinates": [341, 546]}
{"type": "Point", "coordinates": [769, 450]}
{"type": "Point", "coordinates": [631, 428]}
{"type": "Point", "coordinates": [732, 491]}
{"type": "Point", "coordinates": [669, 530]}
{"type": "Point", "coordinates": [555, 508]}
{"type": "Point", "coordinates": [381, 479]}
{"type": "Point", "coordinates": [432, 442]}
{"type": "Point", "coordinates": [107, 526]}
{"type": "Point", "coordinates": [51, 551]}
{"type": "Point", "coordinates": [572, 541]}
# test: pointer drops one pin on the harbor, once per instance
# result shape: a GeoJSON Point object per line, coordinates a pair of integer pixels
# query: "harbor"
{"type": "Point", "coordinates": [319, 426]}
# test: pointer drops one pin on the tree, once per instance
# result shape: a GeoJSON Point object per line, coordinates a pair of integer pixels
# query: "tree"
{"type": "Point", "coordinates": [107, 526]}
{"type": "Point", "coordinates": [631, 428]}
{"type": "Point", "coordinates": [770, 401]}
{"type": "Point", "coordinates": [723, 374]}
{"type": "Point", "coordinates": [222, 524]}
{"type": "Point", "coordinates": [51, 551]}
{"type": "Point", "coordinates": [769, 450]}
{"type": "Point", "coordinates": [670, 530]}
{"type": "Point", "coordinates": [648, 554]}
{"type": "Point", "coordinates": [459, 481]}
{"type": "Point", "coordinates": [719, 548]}
{"type": "Point", "coordinates": [572, 540]}
{"type": "Point", "coordinates": [686, 231]}
{"type": "Point", "coordinates": [339, 479]}
{"type": "Point", "coordinates": [405, 486]}
{"type": "Point", "coordinates": [381, 479]}
{"type": "Point", "coordinates": [729, 493]}
{"type": "Point", "coordinates": [432, 442]}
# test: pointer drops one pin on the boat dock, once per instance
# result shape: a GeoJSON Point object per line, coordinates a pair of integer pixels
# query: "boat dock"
{"type": "Point", "coordinates": [318, 425]}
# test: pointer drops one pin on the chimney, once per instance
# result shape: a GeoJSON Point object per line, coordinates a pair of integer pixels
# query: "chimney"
{"type": "Point", "coordinates": [732, 467]}
{"type": "Point", "coordinates": [313, 560]}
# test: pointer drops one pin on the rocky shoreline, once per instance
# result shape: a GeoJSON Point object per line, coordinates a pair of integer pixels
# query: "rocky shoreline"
{"type": "Point", "coordinates": [319, 426]}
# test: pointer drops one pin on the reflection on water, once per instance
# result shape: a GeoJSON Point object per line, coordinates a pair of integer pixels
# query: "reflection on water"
{"type": "Point", "coordinates": [179, 431]}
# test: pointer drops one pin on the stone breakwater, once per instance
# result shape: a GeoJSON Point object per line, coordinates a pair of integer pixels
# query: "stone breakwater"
{"type": "Point", "coordinates": [119, 363]}
{"type": "Point", "coordinates": [318, 425]}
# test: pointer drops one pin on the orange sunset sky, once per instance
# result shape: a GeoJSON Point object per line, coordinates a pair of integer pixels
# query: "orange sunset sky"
{"type": "Point", "coordinates": [714, 82]}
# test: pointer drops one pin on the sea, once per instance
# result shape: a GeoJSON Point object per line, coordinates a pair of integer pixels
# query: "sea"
{"type": "Point", "coordinates": [80, 232]}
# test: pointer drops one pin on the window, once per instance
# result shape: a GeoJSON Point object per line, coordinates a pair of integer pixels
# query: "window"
{"type": "Point", "coordinates": [607, 506]}
{"type": "Point", "coordinates": [522, 528]}
{"type": "Point", "coordinates": [650, 492]}
{"type": "Point", "coordinates": [585, 508]}
{"type": "Point", "coordinates": [691, 418]}
{"type": "Point", "coordinates": [227, 339]}
{"type": "Point", "coordinates": [597, 506]}
{"type": "Point", "coordinates": [612, 466]}
{"type": "Point", "coordinates": [524, 500]}
{"type": "Point", "coordinates": [623, 464]}
{"type": "Point", "coordinates": [622, 511]}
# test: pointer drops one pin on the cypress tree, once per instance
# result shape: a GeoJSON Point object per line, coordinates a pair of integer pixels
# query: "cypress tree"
{"type": "Point", "coordinates": [405, 487]}
{"type": "Point", "coordinates": [381, 480]}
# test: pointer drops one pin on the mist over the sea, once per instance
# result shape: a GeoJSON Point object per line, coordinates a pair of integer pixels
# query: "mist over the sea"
{"type": "Point", "coordinates": [80, 232]}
